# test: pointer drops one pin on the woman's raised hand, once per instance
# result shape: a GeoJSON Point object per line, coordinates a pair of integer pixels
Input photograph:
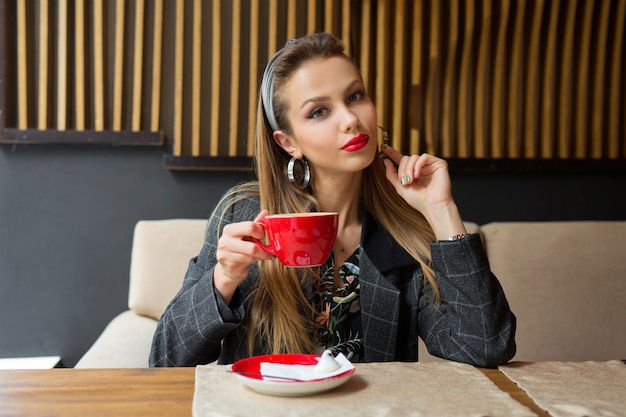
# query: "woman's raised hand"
{"type": "Point", "coordinates": [424, 182]}
{"type": "Point", "coordinates": [236, 252]}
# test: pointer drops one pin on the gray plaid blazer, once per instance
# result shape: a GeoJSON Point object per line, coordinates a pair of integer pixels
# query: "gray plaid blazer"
{"type": "Point", "coordinates": [473, 323]}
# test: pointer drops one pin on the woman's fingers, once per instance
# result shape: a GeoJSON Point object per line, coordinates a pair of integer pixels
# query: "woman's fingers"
{"type": "Point", "coordinates": [391, 172]}
{"type": "Point", "coordinates": [236, 245]}
{"type": "Point", "coordinates": [261, 216]}
{"type": "Point", "coordinates": [405, 166]}
{"type": "Point", "coordinates": [392, 154]}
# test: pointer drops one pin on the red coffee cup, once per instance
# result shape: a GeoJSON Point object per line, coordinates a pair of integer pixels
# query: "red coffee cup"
{"type": "Point", "coordinates": [300, 239]}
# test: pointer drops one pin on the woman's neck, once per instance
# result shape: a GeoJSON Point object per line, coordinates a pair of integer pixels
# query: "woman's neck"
{"type": "Point", "coordinates": [342, 196]}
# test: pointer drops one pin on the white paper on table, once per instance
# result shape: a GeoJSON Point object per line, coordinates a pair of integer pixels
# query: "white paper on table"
{"type": "Point", "coordinates": [302, 372]}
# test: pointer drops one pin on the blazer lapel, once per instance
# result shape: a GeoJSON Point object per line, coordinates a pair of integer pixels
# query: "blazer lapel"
{"type": "Point", "coordinates": [379, 313]}
{"type": "Point", "coordinates": [380, 259]}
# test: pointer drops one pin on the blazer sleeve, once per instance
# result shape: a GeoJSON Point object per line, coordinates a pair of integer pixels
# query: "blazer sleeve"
{"type": "Point", "coordinates": [195, 322]}
{"type": "Point", "coordinates": [473, 323]}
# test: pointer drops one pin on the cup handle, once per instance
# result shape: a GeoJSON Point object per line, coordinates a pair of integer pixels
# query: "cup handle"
{"type": "Point", "coordinates": [262, 245]}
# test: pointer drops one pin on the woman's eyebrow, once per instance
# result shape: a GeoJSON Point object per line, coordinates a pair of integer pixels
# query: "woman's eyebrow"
{"type": "Point", "coordinates": [324, 98]}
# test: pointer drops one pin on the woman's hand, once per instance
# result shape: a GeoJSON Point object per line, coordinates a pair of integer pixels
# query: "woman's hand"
{"type": "Point", "coordinates": [236, 252]}
{"type": "Point", "coordinates": [424, 182]}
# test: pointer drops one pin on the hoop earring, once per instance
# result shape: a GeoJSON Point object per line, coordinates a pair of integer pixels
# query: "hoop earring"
{"type": "Point", "coordinates": [305, 174]}
{"type": "Point", "coordinates": [385, 138]}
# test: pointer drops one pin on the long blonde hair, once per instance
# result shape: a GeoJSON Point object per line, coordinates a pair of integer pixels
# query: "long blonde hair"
{"type": "Point", "coordinates": [278, 310]}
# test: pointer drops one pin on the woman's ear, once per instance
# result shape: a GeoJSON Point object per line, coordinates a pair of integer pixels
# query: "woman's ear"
{"type": "Point", "coordinates": [285, 142]}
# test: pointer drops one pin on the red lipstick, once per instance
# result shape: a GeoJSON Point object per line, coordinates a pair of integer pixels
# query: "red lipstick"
{"type": "Point", "coordinates": [356, 143]}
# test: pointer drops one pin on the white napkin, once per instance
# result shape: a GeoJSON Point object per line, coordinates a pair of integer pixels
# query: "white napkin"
{"type": "Point", "coordinates": [302, 372]}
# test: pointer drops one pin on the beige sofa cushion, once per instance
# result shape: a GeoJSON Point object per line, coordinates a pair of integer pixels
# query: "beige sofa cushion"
{"type": "Point", "coordinates": [124, 343]}
{"type": "Point", "coordinates": [566, 283]}
{"type": "Point", "coordinates": [160, 255]}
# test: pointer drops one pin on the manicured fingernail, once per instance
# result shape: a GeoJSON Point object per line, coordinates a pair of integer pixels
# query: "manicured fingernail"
{"type": "Point", "coordinates": [401, 181]}
{"type": "Point", "coordinates": [408, 178]}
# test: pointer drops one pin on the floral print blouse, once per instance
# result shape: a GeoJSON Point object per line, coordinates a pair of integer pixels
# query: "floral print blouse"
{"type": "Point", "coordinates": [338, 311]}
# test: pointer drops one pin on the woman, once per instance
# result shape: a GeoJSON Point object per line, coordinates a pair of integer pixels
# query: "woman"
{"type": "Point", "coordinates": [402, 266]}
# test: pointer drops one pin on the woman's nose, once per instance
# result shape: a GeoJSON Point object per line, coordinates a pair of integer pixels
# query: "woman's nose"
{"type": "Point", "coordinates": [350, 120]}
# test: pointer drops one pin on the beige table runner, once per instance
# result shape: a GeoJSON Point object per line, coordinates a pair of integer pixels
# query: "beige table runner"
{"type": "Point", "coordinates": [573, 389]}
{"type": "Point", "coordinates": [376, 389]}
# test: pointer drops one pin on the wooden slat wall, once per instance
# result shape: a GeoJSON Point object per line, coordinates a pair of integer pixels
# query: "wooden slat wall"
{"type": "Point", "coordinates": [70, 47]}
{"type": "Point", "coordinates": [501, 79]}
{"type": "Point", "coordinates": [230, 133]}
{"type": "Point", "coordinates": [42, 63]}
{"type": "Point", "coordinates": [22, 67]}
{"type": "Point", "coordinates": [79, 74]}
{"type": "Point", "coordinates": [458, 78]}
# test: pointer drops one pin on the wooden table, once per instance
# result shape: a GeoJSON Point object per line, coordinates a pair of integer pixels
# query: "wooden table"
{"type": "Point", "coordinates": [102, 392]}
{"type": "Point", "coordinates": [128, 392]}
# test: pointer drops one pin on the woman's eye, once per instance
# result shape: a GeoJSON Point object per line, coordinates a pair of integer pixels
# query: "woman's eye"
{"type": "Point", "coordinates": [317, 113]}
{"type": "Point", "coordinates": [356, 96]}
